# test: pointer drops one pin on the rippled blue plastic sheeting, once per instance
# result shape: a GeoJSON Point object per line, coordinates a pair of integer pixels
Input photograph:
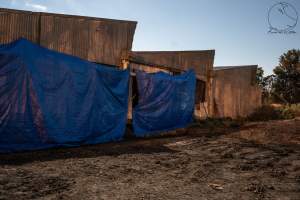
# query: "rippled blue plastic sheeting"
{"type": "Point", "coordinates": [50, 99]}
{"type": "Point", "coordinates": [165, 102]}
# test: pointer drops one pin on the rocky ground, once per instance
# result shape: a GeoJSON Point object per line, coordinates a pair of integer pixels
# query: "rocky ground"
{"type": "Point", "coordinates": [254, 161]}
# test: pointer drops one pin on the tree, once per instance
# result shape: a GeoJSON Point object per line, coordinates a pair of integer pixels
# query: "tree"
{"type": "Point", "coordinates": [259, 76]}
{"type": "Point", "coordinates": [286, 83]}
{"type": "Point", "coordinates": [265, 82]}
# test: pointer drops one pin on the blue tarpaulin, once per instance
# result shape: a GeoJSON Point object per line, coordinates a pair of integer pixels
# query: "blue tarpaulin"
{"type": "Point", "coordinates": [50, 99]}
{"type": "Point", "coordinates": [165, 102]}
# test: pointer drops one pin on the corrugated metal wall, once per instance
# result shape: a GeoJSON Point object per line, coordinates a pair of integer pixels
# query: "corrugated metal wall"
{"type": "Point", "coordinates": [149, 69]}
{"type": "Point", "coordinates": [14, 25]}
{"type": "Point", "coordinates": [235, 92]}
{"type": "Point", "coordinates": [200, 61]}
{"type": "Point", "coordinates": [97, 40]}
{"type": "Point", "coordinates": [65, 35]}
{"type": "Point", "coordinates": [94, 39]}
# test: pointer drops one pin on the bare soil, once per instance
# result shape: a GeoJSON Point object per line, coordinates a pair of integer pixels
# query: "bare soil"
{"type": "Point", "coordinates": [255, 161]}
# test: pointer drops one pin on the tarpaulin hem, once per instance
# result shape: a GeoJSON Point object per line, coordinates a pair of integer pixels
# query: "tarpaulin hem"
{"type": "Point", "coordinates": [159, 132]}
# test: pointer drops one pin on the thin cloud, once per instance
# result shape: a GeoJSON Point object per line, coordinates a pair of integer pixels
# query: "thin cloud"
{"type": "Point", "coordinates": [13, 2]}
{"type": "Point", "coordinates": [37, 7]}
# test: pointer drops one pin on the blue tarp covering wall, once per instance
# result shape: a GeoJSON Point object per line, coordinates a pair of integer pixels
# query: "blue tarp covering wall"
{"type": "Point", "coordinates": [165, 102]}
{"type": "Point", "coordinates": [50, 99]}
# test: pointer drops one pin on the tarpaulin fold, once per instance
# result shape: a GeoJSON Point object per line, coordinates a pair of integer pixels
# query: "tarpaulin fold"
{"type": "Point", "coordinates": [50, 99]}
{"type": "Point", "coordinates": [165, 102]}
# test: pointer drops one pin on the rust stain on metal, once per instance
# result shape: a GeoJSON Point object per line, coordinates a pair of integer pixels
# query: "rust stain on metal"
{"type": "Point", "coordinates": [235, 92]}
{"type": "Point", "coordinates": [14, 25]}
{"type": "Point", "coordinates": [94, 39]}
{"type": "Point", "coordinates": [200, 61]}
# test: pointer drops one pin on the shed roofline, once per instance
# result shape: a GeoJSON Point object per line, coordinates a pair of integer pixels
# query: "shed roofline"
{"type": "Point", "coordinates": [66, 15]}
{"type": "Point", "coordinates": [182, 51]}
{"type": "Point", "coordinates": [134, 56]}
{"type": "Point", "coordinates": [234, 67]}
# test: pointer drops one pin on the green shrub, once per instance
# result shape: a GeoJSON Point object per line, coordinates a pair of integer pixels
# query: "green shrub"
{"type": "Point", "coordinates": [290, 111]}
{"type": "Point", "coordinates": [296, 109]}
{"type": "Point", "coordinates": [287, 113]}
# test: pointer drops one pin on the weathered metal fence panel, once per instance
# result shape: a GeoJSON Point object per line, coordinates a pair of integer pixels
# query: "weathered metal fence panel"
{"type": "Point", "coordinates": [200, 61]}
{"type": "Point", "coordinates": [14, 25]}
{"type": "Point", "coordinates": [99, 40]}
{"type": "Point", "coordinates": [65, 35]}
{"type": "Point", "coordinates": [235, 92]}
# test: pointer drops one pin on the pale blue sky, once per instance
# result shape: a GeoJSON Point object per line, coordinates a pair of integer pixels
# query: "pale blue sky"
{"type": "Point", "coordinates": [236, 29]}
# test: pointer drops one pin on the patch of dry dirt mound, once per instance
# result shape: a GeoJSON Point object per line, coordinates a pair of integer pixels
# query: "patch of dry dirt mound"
{"type": "Point", "coordinates": [257, 161]}
{"type": "Point", "coordinates": [277, 132]}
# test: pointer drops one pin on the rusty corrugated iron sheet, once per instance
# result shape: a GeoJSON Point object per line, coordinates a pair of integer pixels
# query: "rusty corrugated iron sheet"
{"type": "Point", "coordinates": [94, 39]}
{"type": "Point", "coordinates": [200, 61]}
{"type": "Point", "coordinates": [14, 25]}
{"type": "Point", "coordinates": [235, 92]}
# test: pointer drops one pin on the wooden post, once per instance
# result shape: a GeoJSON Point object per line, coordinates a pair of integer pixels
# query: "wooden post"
{"type": "Point", "coordinates": [125, 65]}
{"type": "Point", "coordinates": [210, 93]}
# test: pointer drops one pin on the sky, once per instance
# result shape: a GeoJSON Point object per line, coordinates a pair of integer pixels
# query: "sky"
{"type": "Point", "coordinates": [236, 29]}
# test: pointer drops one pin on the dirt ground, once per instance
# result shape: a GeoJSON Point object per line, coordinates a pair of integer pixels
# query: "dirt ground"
{"type": "Point", "coordinates": [254, 161]}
